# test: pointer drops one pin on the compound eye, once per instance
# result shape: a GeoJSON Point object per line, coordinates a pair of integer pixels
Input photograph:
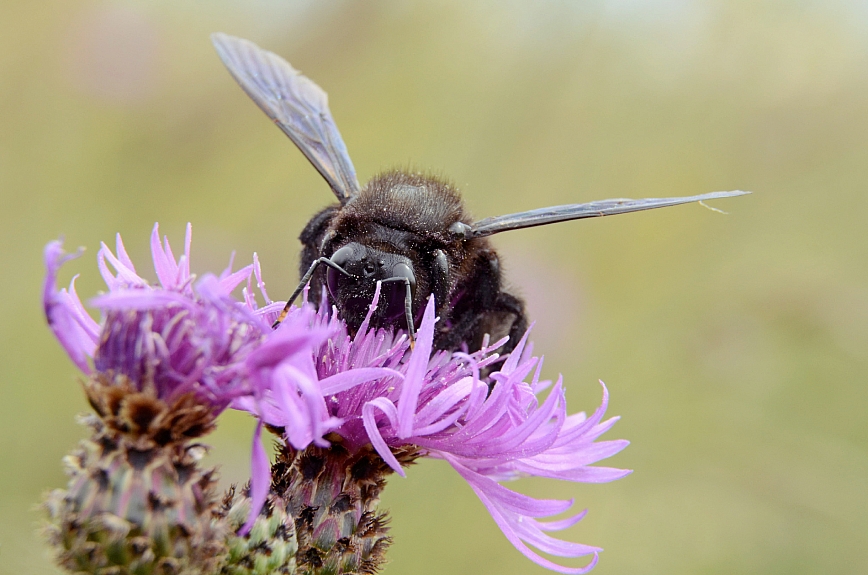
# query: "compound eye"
{"type": "Point", "coordinates": [333, 281]}
{"type": "Point", "coordinates": [334, 278]}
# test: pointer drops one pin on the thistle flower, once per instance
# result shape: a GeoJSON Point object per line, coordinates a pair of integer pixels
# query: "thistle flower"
{"type": "Point", "coordinates": [160, 366]}
{"type": "Point", "coordinates": [174, 339]}
{"type": "Point", "coordinates": [351, 410]}
{"type": "Point", "coordinates": [374, 404]}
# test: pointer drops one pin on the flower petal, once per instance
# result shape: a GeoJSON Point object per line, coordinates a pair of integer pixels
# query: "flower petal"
{"type": "Point", "coordinates": [512, 513]}
{"type": "Point", "coordinates": [260, 480]}
{"type": "Point", "coordinates": [74, 328]}
{"type": "Point", "coordinates": [415, 375]}
{"type": "Point", "coordinates": [348, 379]}
{"type": "Point", "coordinates": [369, 419]}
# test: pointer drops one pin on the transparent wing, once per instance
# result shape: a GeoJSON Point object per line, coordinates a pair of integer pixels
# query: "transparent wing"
{"type": "Point", "coordinates": [556, 214]}
{"type": "Point", "coordinates": [297, 105]}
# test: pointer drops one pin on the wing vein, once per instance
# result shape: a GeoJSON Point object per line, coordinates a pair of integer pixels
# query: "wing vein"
{"type": "Point", "coordinates": [555, 214]}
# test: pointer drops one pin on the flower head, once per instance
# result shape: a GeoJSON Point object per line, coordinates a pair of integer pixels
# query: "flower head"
{"type": "Point", "coordinates": [320, 385]}
{"type": "Point", "coordinates": [163, 361]}
{"type": "Point", "coordinates": [183, 337]}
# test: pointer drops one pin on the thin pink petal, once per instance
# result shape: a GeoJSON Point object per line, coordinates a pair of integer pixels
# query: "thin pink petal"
{"type": "Point", "coordinates": [370, 422]}
{"type": "Point", "coordinates": [64, 312]}
{"type": "Point", "coordinates": [415, 375]}
{"type": "Point", "coordinates": [351, 378]}
{"type": "Point", "coordinates": [188, 238]}
{"type": "Point", "coordinates": [233, 280]}
{"type": "Point", "coordinates": [122, 254]}
{"type": "Point", "coordinates": [260, 480]}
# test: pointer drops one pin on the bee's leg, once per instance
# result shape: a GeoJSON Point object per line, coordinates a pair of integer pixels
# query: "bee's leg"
{"type": "Point", "coordinates": [311, 241]}
{"type": "Point", "coordinates": [476, 292]}
{"type": "Point", "coordinates": [512, 305]}
{"type": "Point", "coordinates": [482, 308]}
{"type": "Point", "coordinates": [408, 312]}
{"type": "Point", "coordinates": [505, 307]}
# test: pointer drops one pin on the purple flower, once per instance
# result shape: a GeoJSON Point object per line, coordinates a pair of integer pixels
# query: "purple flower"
{"type": "Point", "coordinates": [182, 336]}
{"type": "Point", "coordinates": [312, 379]}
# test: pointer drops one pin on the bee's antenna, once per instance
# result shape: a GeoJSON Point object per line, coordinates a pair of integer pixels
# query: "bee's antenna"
{"type": "Point", "coordinates": [304, 281]}
{"type": "Point", "coordinates": [408, 307]}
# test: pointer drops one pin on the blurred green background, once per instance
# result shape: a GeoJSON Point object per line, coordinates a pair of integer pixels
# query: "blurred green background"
{"type": "Point", "coordinates": [735, 347]}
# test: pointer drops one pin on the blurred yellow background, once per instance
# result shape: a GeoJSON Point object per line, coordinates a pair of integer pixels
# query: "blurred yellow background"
{"type": "Point", "coordinates": [735, 347]}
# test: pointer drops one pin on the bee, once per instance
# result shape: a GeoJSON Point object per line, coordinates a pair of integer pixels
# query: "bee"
{"type": "Point", "coordinates": [408, 232]}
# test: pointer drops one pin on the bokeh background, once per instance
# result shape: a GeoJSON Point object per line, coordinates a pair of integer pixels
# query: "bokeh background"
{"type": "Point", "coordinates": [735, 346]}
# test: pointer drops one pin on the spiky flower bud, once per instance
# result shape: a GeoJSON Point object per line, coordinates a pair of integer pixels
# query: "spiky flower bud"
{"type": "Point", "coordinates": [159, 368]}
{"type": "Point", "coordinates": [328, 499]}
{"type": "Point", "coordinates": [269, 548]}
{"type": "Point", "coordinates": [135, 507]}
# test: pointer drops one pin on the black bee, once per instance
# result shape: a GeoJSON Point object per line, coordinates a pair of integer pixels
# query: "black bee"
{"type": "Point", "coordinates": [408, 231]}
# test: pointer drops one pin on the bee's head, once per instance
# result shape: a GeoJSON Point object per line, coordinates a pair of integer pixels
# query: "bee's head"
{"type": "Point", "coordinates": [353, 291]}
